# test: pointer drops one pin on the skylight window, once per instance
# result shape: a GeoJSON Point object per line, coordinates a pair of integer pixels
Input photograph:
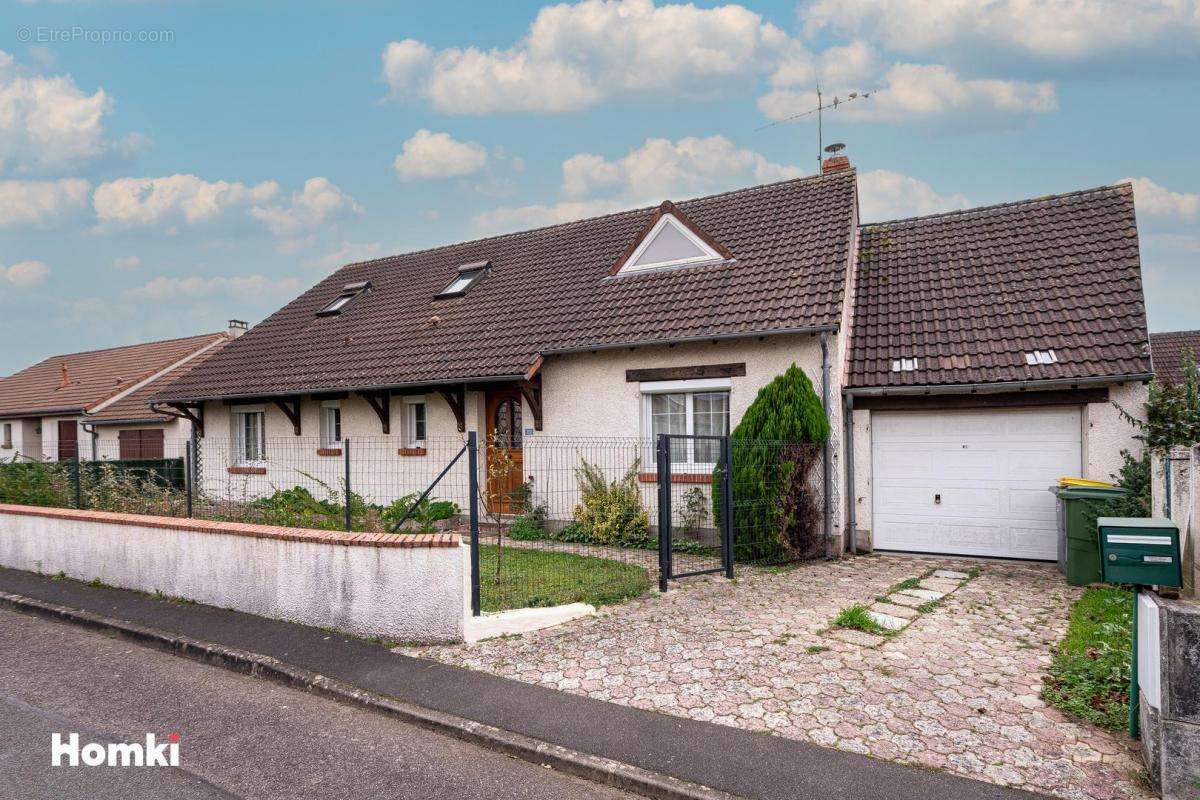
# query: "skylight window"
{"type": "Point", "coordinates": [349, 292]}
{"type": "Point", "coordinates": [904, 365]}
{"type": "Point", "coordinates": [1041, 357]}
{"type": "Point", "coordinates": [468, 276]}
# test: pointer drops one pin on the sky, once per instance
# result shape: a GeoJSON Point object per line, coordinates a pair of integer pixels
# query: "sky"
{"type": "Point", "coordinates": [166, 166]}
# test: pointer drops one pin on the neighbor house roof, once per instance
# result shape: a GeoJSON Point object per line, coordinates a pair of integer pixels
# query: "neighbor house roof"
{"type": "Point", "coordinates": [550, 290]}
{"type": "Point", "coordinates": [135, 406]}
{"type": "Point", "coordinates": [78, 382]}
{"type": "Point", "coordinates": [1167, 349]}
{"type": "Point", "coordinates": [971, 294]}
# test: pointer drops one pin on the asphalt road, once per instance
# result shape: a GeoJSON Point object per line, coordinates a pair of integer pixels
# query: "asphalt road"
{"type": "Point", "coordinates": [241, 737]}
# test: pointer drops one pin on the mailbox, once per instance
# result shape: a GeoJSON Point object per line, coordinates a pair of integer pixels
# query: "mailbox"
{"type": "Point", "coordinates": [1144, 552]}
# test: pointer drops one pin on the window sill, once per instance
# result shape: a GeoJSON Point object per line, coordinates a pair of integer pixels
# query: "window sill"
{"type": "Point", "coordinates": [246, 470]}
{"type": "Point", "coordinates": [677, 477]}
{"type": "Point", "coordinates": [413, 451]}
{"type": "Point", "coordinates": [6, 447]}
{"type": "Point", "coordinates": [329, 451]}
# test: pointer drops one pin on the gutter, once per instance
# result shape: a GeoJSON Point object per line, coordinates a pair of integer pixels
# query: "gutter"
{"type": "Point", "coordinates": [973, 388]}
{"type": "Point", "coordinates": [850, 500]}
{"type": "Point", "coordinates": [158, 401]}
{"type": "Point", "coordinates": [44, 412]}
{"type": "Point", "coordinates": [825, 451]}
{"type": "Point", "coordinates": [715, 337]}
{"type": "Point", "coordinates": [91, 431]}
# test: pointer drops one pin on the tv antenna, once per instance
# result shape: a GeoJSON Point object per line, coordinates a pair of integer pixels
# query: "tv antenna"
{"type": "Point", "coordinates": [822, 107]}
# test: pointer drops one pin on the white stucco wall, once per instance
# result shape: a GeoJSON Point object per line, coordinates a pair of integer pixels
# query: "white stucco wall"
{"type": "Point", "coordinates": [1104, 435]}
{"type": "Point", "coordinates": [418, 594]}
{"type": "Point", "coordinates": [108, 445]}
{"type": "Point", "coordinates": [26, 440]}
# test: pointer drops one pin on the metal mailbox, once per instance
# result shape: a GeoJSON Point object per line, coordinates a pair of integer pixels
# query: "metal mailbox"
{"type": "Point", "coordinates": [1144, 552]}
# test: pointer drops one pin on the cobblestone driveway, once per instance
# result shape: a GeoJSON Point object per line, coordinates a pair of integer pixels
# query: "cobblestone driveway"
{"type": "Point", "coordinates": [957, 690]}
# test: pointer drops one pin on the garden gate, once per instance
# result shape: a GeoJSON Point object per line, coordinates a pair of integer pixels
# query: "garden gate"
{"type": "Point", "coordinates": [685, 464]}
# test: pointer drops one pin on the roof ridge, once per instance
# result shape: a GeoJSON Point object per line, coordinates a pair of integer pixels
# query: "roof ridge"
{"type": "Point", "coordinates": [993, 206]}
{"type": "Point", "coordinates": [637, 209]}
{"type": "Point", "coordinates": [120, 347]}
{"type": "Point", "coordinates": [1194, 332]}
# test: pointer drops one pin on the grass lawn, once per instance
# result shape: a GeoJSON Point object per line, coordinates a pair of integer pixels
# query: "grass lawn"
{"type": "Point", "coordinates": [531, 577]}
{"type": "Point", "coordinates": [1089, 676]}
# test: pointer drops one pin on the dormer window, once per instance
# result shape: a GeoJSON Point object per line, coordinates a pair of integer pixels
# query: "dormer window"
{"type": "Point", "coordinates": [350, 292]}
{"type": "Point", "coordinates": [468, 276]}
{"type": "Point", "coordinates": [1041, 357]}
{"type": "Point", "coordinates": [671, 239]}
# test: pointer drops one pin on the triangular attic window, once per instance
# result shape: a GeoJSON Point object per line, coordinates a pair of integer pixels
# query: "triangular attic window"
{"type": "Point", "coordinates": [671, 241]}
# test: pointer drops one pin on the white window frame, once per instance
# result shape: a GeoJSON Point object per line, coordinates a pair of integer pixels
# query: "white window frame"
{"type": "Point", "coordinates": [707, 254]}
{"type": "Point", "coordinates": [689, 388]}
{"type": "Point", "coordinates": [238, 428]}
{"type": "Point", "coordinates": [325, 420]}
{"type": "Point", "coordinates": [410, 421]}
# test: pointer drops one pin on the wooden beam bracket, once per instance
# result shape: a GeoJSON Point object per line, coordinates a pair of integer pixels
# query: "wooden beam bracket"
{"type": "Point", "coordinates": [291, 409]}
{"type": "Point", "coordinates": [532, 392]}
{"type": "Point", "coordinates": [456, 398]}
{"type": "Point", "coordinates": [183, 411]}
{"type": "Point", "coordinates": [381, 404]}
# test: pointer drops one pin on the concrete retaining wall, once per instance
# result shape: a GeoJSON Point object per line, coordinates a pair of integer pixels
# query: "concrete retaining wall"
{"type": "Point", "coordinates": [1169, 693]}
{"type": "Point", "coordinates": [408, 588]}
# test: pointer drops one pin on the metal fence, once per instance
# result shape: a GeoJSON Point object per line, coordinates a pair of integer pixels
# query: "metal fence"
{"type": "Point", "coordinates": [550, 520]}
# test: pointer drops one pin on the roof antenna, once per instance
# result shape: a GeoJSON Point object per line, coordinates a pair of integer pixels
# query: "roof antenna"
{"type": "Point", "coordinates": [821, 107]}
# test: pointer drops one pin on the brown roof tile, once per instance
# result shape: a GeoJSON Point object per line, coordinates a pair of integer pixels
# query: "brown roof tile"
{"type": "Point", "coordinates": [1167, 350]}
{"type": "Point", "coordinates": [73, 383]}
{"type": "Point", "coordinates": [135, 406]}
{"type": "Point", "coordinates": [969, 293]}
{"type": "Point", "coordinates": [549, 290]}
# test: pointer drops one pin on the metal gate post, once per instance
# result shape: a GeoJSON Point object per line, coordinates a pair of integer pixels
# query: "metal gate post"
{"type": "Point", "coordinates": [727, 505]}
{"type": "Point", "coordinates": [473, 468]}
{"type": "Point", "coordinates": [189, 474]}
{"type": "Point", "coordinates": [663, 459]}
{"type": "Point", "coordinates": [349, 504]}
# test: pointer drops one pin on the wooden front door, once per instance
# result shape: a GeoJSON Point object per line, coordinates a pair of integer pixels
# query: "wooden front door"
{"type": "Point", "coordinates": [505, 467]}
{"type": "Point", "coordinates": [68, 440]}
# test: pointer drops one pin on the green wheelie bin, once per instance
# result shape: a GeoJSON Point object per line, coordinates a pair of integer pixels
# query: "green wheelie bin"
{"type": "Point", "coordinates": [1078, 542]}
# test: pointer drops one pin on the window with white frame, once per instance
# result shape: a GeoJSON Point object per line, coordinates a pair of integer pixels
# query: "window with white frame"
{"type": "Point", "coordinates": [414, 421]}
{"type": "Point", "coordinates": [331, 425]}
{"type": "Point", "coordinates": [691, 407]}
{"type": "Point", "coordinates": [249, 435]}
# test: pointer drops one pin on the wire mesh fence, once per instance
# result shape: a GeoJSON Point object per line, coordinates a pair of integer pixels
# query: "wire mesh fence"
{"type": "Point", "coordinates": [557, 520]}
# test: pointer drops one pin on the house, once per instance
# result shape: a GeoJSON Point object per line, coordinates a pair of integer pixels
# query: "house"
{"type": "Point", "coordinates": [983, 326]}
{"type": "Point", "coordinates": [1168, 349]}
{"type": "Point", "coordinates": [94, 403]}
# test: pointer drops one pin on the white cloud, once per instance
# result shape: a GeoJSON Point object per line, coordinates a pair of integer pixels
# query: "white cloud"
{"type": "Point", "coordinates": [430, 156]}
{"type": "Point", "coordinates": [49, 124]}
{"type": "Point", "coordinates": [127, 262]}
{"type": "Point", "coordinates": [662, 169]}
{"type": "Point", "coordinates": [1053, 30]}
{"type": "Point", "coordinates": [885, 195]}
{"type": "Point", "coordinates": [1153, 199]}
{"type": "Point", "coordinates": [41, 204]}
{"type": "Point", "coordinates": [927, 93]}
{"type": "Point", "coordinates": [240, 286]}
{"type": "Point", "coordinates": [25, 273]}
{"type": "Point", "coordinates": [576, 56]}
{"type": "Point", "coordinates": [318, 202]}
{"type": "Point", "coordinates": [172, 200]}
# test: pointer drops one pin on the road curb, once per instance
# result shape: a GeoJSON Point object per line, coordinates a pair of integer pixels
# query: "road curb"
{"type": "Point", "coordinates": [604, 771]}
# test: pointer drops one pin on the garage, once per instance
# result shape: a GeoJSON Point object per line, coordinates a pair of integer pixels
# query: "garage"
{"type": "Point", "coordinates": [971, 482]}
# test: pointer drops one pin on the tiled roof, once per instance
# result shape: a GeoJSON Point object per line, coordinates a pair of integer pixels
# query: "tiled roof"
{"type": "Point", "coordinates": [135, 406]}
{"type": "Point", "coordinates": [90, 377]}
{"type": "Point", "coordinates": [549, 290]}
{"type": "Point", "coordinates": [1167, 350]}
{"type": "Point", "coordinates": [969, 294]}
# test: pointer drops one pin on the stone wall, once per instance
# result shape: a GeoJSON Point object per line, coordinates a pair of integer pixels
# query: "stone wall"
{"type": "Point", "coordinates": [1169, 636]}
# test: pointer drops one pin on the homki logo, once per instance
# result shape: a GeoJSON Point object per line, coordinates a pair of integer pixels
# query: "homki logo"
{"type": "Point", "coordinates": [115, 754]}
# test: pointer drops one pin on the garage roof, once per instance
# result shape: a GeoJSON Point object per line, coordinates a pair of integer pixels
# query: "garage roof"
{"type": "Point", "coordinates": [1043, 289]}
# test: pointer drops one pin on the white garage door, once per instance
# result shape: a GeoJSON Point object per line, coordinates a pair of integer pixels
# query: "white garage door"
{"type": "Point", "coordinates": [971, 482]}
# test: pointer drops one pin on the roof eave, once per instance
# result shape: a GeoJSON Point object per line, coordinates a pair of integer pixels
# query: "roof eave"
{"type": "Point", "coordinates": [322, 390]}
{"type": "Point", "coordinates": [711, 337]}
{"type": "Point", "coordinates": [998, 386]}
{"type": "Point", "coordinates": [30, 413]}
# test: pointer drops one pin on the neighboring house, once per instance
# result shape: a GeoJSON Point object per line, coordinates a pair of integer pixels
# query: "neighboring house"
{"type": "Point", "coordinates": [1028, 317]}
{"type": "Point", "coordinates": [1168, 350]}
{"type": "Point", "coordinates": [94, 403]}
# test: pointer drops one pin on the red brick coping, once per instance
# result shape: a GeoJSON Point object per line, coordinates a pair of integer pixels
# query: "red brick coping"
{"type": "Point", "coordinates": [677, 477]}
{"type": "Point", "coordinates": [329, 451]}
{"type": "Point", "coordinates": [246, 470]}
{"type": "Point", "coordinates": [412, 451]}
{"type": "Point", "coordinates": [406, 540]}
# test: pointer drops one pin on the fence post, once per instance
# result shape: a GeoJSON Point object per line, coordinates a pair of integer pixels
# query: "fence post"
{"type": "Point", "coordinates": [727, 505]}
{"type": "Point", "coordinates": [663, 462]}
{"type": "Point", "coordinates": [473, 469]}
{"type": "Point", "coordinates": [189, 474]}
{"type": "Point", "coordinates": [349, 509]}
{"type": "Point", "coordinates": [78, 479]}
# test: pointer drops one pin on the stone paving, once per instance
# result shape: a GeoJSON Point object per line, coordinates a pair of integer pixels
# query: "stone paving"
{"type": "Point", "coordinates": [956, 690]}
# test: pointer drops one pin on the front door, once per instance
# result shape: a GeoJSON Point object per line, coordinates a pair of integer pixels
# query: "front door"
{"type": "Point", "coordinates": [68, 440]}
{"type": "Point", "coordinates": [504, 461]}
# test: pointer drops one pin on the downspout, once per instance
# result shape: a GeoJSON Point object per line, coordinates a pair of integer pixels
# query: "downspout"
{"type": "Point", "coordinates": [849, 499]}
{"type": "Point", "coordinates": [91, 430]}
{"type": "Point", "coordinates": [825, 449]}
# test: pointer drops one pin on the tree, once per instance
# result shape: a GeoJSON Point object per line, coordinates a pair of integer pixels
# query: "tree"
{"type": "Point", "coordinates": [1172, 411]}
{"type": "Point", "coordinates": [774, 448]}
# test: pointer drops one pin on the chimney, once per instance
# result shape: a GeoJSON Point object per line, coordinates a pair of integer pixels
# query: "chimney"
{"type": "Point", "coordinates": [237, 327]}
{"type": "Point", "coordinates": [834, 163]}
{"type": "Point", "coordinates": [66, 376]}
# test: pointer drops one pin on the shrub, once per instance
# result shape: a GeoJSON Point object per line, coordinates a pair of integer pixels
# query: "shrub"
{"type": "Point", "coordinates": [36, 484]}
{"type": "Point", "coordinates": [1134, 477]}
{"type": "Point", "coordinates": [426, 515]}
{"type": "Point", "coordinates": [611, 513]}
{"type": "Point", "coordinates": [526, 529]}
{"type": "Point", "coordinates": [774, 448]}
